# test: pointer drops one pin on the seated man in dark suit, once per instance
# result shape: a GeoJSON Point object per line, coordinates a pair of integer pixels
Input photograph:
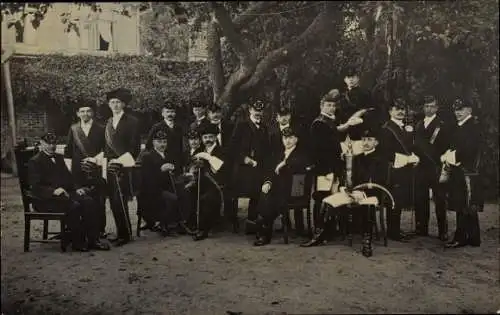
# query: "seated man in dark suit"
{"type": "Point", "coordinates": [158, 189]}
{"type": "Point", "coordinates": [278, 184]}
{"type": "Point", "coordinates": [53, 189]}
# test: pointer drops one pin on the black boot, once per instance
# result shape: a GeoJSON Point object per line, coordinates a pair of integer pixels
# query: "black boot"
{"type": "Point", "coordinates": [367, 245]}
{"type": "Point", "coordinates": [264, 233]}
{"type": "Point", "coordinates": [318, 238]}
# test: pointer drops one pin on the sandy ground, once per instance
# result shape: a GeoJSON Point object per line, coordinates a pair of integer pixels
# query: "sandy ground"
{"type": "Point", "coordinates": [225, 273]}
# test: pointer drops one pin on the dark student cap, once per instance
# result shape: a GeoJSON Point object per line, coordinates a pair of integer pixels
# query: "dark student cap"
{"type": "Point", "coordinates": [429, 99]}
{"type": "Point", "coordinates": [369, 133]}
{"type": "Point", "coordinates": [82, 104]}
{"type": "Point", "coordinates": [289, 132]}
{"type": "Point", "coordinates": [351, 72]}
{"type": "Point", "coordinates": [332, 96]}
{"type": "Point", "coordinates": [49, 137]}
{"type": "Point", "coordinates": [199, 104]}
{"type": "Point", "coordinates": [399, 103]}
{"type": "Point", "coordinates": [168, 105]}
{"type": "Point", "coordinates": [193, 134]}
{"type": "Point", "coordinates": [258, 105]}
{"type": "Point", "coordinates": [122, 94]}
{"type": "Point", "coordinates": [207, 128]}
{"type": "Point", "coordinates": [282, 111]}
{"type": "Point", "coordinates": [160, 135]}
{"type": "Point", "coordinates": [214, 108]}
{"type": "Point", "coordinates": [460, 103]}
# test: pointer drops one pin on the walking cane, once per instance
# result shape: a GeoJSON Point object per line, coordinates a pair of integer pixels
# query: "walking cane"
{"type": "Point", "coordinates": [123, 205]}
{"type": "Point", "coordinates": [198, 203]}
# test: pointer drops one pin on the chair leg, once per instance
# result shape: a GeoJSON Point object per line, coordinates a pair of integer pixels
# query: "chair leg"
{"type": "Point", "coordinates": [309, 223]}
{"type": "Point", "coordinates": [285, 226]}
{"type": "Point", "coordinates": [27, 234]}
{"type": "Point", "coordinates": [63, 243]}
{"type": "Point", "coordinates": [349, 227]}
{"type": "Point", "coordinates": [138, 231]}
{"type": "Point", "coordinates": [383, 218]}
{"type": "Point", "coordinates": [375, 224]}
{"type": "Point", "coordinates": [45, 234]}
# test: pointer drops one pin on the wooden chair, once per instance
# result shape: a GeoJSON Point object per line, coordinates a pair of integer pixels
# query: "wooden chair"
{"type": "Point", "coordinates": [23, 154]}
{"type": "Point", "coordinates": [300, 200]}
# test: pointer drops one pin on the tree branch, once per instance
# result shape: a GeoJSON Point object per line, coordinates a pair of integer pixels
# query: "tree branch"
{"type": "Point", "coordinates": [319, 26]}
{"type": "Point", "coordinates": [251, 13]}
{"type": "Point", "coordinates": [215, 60]}
{"type": "Point", "coordinates": [233, 37]}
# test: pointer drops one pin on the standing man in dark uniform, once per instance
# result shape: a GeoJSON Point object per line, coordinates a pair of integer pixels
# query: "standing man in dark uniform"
{"type": "Point", "coordinates": [122, 137]}
{"type": "Point", "coordinates": [211, 163]}
{"type": "Point", "coordinates": [54, 190]}
{"type": "Point", "coordinates": [225, 128]}
{"type": "Point", "coordinates": [326, 150]}
{"type": "Point", "coordinates": [173, 131]}
{"type": "Point", "coordinates": [357, 99]}
{"type": "Point", "coordinates": [397, 146]}
{"type": "Point", "coordinates": [200, 114]}
{"type": "Point", "coordinates": [277, 186]}
{"type": "Point", "coordinates": [85, 141]}
{"type": "Point", "coordinates": [464, 185]}
{"type": "Point", "coordinates": [250, 146]}
{"type": "Point", "coordinates": [432, 140]}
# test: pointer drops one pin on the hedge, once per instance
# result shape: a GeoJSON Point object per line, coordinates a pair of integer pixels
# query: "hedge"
{"type": "Point", "coordinates": [65, 80]}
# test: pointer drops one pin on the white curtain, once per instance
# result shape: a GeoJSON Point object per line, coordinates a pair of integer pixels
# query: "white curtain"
{"type": "Point", "coordinates": [104, 27]}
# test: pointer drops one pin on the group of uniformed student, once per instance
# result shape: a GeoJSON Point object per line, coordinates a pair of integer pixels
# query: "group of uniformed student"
{"type": "Point", "coordinates": [188, 178]}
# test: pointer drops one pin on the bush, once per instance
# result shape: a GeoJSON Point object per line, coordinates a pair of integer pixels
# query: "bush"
{"type": "Point", "coordinates": [65, 80]}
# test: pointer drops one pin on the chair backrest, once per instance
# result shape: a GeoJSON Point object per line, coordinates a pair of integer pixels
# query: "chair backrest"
{"type": "Point", "coordinates": [23, 154]}
{"type": "Point", "coordinates": [301, 188]}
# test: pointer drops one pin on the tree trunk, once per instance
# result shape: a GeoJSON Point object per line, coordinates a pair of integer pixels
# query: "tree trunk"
{"type": "Point", "coordinates": [215, 60]}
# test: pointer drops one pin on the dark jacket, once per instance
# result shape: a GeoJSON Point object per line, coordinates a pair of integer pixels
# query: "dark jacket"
{"type": "Point", "coordinates": [93, 144]}
{"type": "Point", "coordinates": [394, 139]}
{"type": "Point", "coordinates": [467, 141]}
{"type": "Point", "coordinates": [430, 153]}
{"type": "Point", "coordinates": [46, 176]}
{"type": "Point", "coordinates": [354, 100]}
{"type": "Point", "coordinates": [153, 180]}
{"type": "Point", "coordinates": [126, 137]}
{"type": "Point", "coordinates": [248, 141]}
{"type": "Point", "coordinates": [325, 146]}
{"type": "Point", "coordinates": [175, 142]}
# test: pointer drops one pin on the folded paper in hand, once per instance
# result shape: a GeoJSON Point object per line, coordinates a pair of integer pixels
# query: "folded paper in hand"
{"type": "Point", "coordinates": [357, 147]}
{"type": "Point", "coordinates": [126, 160]}
{"type": "Point", "coordinates": [361, 112]}
{"type": "Point", "coordinates": [401, 160]}
{"type": "Point", "coordinates": [451, 157]}
{"type": "Point", "coordinates": [215, 163]}
{"type": "Point", "coordinates": [370, 201]}
{"type": "Point", "coordinates": [324, 183]}
{"type": "Point", "coordinates": [338, 199]}
{"type": "Point", "coordinates": [99, 158]}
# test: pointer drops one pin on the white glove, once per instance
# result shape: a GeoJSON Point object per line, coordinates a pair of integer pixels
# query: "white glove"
{"type": "Point", "coordinates": [413, 159]}
{"type": "Point", "coordinates": [443, 157]}
{"type": "Point", "coordinates": [203, 155]}
{"type": "Point", "coordinates": [278, 167]}
{"type": "Point", "coordinates": [353, 121]}
{"type": "Point", "coordinates": [266, 188]}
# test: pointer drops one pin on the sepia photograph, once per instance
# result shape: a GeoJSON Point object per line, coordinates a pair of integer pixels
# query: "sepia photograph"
{"type": "Point", "coordinates": [250, 157]}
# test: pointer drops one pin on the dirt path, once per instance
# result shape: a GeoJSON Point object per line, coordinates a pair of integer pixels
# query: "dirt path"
{"type": "Point", "coordinates": [179, 276]}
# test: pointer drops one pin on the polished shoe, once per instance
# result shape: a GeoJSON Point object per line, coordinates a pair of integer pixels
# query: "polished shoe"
{"type": "Point", "coordinates": [200, 236]}
{"type": "Point", "coordinates": [146, 227]}
{"type": "Point", "coordinates": [455, 244]}
{"type": "Point", "coordinates": [312, 242]}
{"type": "Point", "coordinates": [103, 235]}
{"type": "Point", "coordinates": [187, 229]}
{"type": "Point", "coordinates": [261, 241]}
{"type": "Point", "coordinates": [98, 245]}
